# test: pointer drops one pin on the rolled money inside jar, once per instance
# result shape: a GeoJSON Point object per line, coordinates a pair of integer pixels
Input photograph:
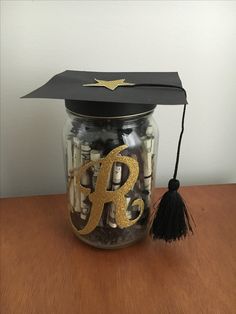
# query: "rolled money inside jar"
{"type": "Point", "coordinates": [117, 174]}
{"type": "Point", "coordinates": [84, 180]}
{"type": "Point", "coordinates": [84, 207]}
{"type": "Point", "coordinates": [76, 164]}
{"type": "Point", "coordinates": [147, 166]}
{"type": "Point", "coordinates": [69, 158]}
{"type": "Point", "coordinates": [132, 210]}
{"type": "Point", "coordinates": [116, 181]}
{"type": "Point", "coordinates": [76, 153]}
{"type": "Point", "coordinates": [149, 131]}
{"type": "Point", "coordinates": [148, 143]}
{"type": "Point", "coordinates": [95, 155]}
{"type": "Point", "coordinates": [111, 216]}
{"type": "Point", "coordinates": [129, 210]}
{"type": "Point", "coordinates": [85, 152]}
{"type": "Point", "coordinates": [69, 155]}
{"type": "Point", "coordinates": [149, 135]}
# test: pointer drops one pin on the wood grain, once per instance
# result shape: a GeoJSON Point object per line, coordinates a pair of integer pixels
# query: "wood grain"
{"type": "Point", "coordinates": [46, 269]}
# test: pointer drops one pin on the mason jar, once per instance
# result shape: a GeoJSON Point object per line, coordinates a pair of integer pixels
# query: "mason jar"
{"type": "Point", "coordinates": [110, 144]}
{"type": "Point", "coordinates": [110, 166]}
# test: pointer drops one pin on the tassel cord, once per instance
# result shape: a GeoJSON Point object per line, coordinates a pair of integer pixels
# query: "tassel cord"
{"type": "Point", "coordinates": [179, 144]}
{"type": "Point", "coordinates": [158, 85]}
{"type": "Point", "coordinates": [177, 165]}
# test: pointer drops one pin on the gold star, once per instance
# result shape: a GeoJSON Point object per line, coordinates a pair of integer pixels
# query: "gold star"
{"type": "Point", "coordinates": [112, 85]}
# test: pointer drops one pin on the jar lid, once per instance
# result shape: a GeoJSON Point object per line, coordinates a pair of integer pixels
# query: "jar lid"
{"type": "Point", "coordinates": [112, 94]}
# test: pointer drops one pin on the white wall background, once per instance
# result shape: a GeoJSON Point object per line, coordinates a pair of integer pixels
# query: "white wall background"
{"type": "Point", "coordinates": [42, 38]}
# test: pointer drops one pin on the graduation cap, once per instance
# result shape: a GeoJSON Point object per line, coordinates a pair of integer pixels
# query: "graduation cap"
{"type": "Point", "coordinates": [120, 94]}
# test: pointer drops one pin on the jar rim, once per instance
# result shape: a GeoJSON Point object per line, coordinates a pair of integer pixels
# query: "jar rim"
{"type": "Point", "coordinates": [110, 117]}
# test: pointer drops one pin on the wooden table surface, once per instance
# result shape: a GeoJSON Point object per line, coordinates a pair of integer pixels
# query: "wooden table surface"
{"type": "Point", "coordinates": [46, 269]}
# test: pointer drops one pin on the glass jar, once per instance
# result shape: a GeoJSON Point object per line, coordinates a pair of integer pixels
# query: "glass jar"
{"type": "Point", "coordinates": [110, 170]}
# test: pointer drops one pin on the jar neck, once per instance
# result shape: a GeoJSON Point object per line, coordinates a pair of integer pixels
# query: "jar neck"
{"type": "Point", "coordinates": [107, 122]}
{"type": "Point", "coordinates": [133, 117]}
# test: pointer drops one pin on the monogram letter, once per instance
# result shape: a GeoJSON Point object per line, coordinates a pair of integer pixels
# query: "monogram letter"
{"type": "Point", "coordinates": [101, 196]}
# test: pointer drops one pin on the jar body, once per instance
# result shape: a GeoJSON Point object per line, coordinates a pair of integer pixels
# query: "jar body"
{"type": "Point", "coordinates": [110, 170]}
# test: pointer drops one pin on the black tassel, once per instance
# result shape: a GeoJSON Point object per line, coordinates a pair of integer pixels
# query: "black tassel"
{"type": "Point", "coordinates": [171, 221]}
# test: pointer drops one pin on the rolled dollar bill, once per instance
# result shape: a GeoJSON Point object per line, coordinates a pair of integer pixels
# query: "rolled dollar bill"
{"type": "Point", "coordinates": [148, 145]}
{"type": "Point", "coordinates": [76, 164]}
{"type": "Point", "coordinates": [69, 159]}
{"type": "Point", "coordinates": [69, 155]}
{"type": "Point", "coordinates": [129, 210]}
{"type": "Point", "coordinates": [85, 180]}
{"type": "Point", "coordinates": [149, 131]}
{"type": "Point", "coordinates": [95, 155]}
{"type": "Point", "coordinates": [76, 153]}
{"type": "Point", "coordinates": [85, 152]}
{"type": "Point", "coordinates": [84, 207]}
{"type": "Point", "coordinates": [111, 216]}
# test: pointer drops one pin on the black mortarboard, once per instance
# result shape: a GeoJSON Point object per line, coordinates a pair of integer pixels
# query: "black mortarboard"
{"type": "Point", "coordinates": [119, 93]}
{"type": "Point", "coordinates": [114, 94]}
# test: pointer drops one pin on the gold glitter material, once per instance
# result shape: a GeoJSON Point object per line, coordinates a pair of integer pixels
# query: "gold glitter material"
{"type": "Point", "coordinates": [101, 196]}
{"type": "Point", "coordinates": [112, 85]}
